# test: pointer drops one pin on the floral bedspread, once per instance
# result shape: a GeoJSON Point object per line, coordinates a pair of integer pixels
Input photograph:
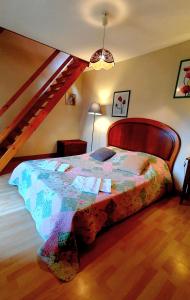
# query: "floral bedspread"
{"type": "Point", "coordinates": [61, 212]}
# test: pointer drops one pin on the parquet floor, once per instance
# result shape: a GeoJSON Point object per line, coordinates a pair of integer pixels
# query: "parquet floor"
{"type": "Point", "coordinates": [146, 257]}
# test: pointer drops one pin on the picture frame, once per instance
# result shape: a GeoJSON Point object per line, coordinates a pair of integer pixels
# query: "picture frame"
{"type": "Point", "coordinates": [182, 87]}
{"type": "Point", "coordinates": [70, 99]}
{"type": "Point", "coordinates": [120, 104]}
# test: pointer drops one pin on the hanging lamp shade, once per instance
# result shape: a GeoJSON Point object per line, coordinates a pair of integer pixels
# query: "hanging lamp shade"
{"type": "Point", "coordinates": [102, 58]}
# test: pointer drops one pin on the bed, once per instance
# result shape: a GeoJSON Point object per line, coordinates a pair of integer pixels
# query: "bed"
{"type": "Point", "coordinates": [62, 213]}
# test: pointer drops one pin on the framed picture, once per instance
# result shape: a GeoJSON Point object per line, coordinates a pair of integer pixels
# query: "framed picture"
{"type": "Point", "coordinates": [71, 99]}
{"type": "Point", "coordinates": [182, 88]}
{"type": "Point", "coordinates": [120, 104]}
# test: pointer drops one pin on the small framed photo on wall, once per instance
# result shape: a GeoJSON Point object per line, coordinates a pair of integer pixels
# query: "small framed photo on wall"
{"type": "Point", "coordinates": [182, 88]}
{"type": "Point", "coordinates": [120, 104]}
{"type": "Point", "coordinates": [71, 99]}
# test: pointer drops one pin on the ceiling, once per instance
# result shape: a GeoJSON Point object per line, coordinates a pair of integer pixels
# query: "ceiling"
{"type": "Point", "coordinates": [134, 27]}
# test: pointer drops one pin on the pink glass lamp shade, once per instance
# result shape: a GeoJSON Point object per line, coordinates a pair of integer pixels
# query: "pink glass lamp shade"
{"type": "Point", "coordinates": [102, 59]}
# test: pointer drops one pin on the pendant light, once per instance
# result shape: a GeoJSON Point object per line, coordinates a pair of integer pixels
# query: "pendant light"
{"type": "Point", "coordinates": [102, 58]}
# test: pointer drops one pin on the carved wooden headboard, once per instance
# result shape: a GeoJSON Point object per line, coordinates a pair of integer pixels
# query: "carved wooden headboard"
{"type": "Point", "coordinates": [145, 135]}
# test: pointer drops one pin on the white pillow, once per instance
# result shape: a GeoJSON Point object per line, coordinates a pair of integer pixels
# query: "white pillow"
{"type": "Point", "coordinates": [134, 164]}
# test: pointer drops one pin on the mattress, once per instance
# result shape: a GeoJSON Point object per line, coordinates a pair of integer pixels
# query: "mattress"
{"type": "Point", "coordinates": [62, 212]}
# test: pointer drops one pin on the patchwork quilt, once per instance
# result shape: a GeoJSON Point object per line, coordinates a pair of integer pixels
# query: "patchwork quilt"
{"type": "Point", "coordinates": [61, 212]}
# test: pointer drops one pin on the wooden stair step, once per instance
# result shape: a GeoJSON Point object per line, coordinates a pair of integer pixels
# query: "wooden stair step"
{"type": "Point", "coordinates": [23, 124]}
{"type": "Point", "coordinates": [73, 65]}
{"type": "Point", "coordinates": [41, 101]}
{"type": "Point", "coordinates": [5, 145]}
{"type": "Point", "coordinates": [66, 74]}
{"type": "Point", "coordinates": [3, 148]}
{"type": "Point", "coordinates": [34, 109]}
{"type": "Point", "coordinates": [48, 93]}
{"type": "Point", "coordinates": [28, 116]}
{"type": "Point", "coordinates": [57, 85]}
{"type": "Point", "coordinates": [61, 79]}
{"type": "Point", "coordinates": [26, 121]}
{"type": "Point", "coordinates": [3, 152]}
{"type": "Point", "coordinates": [11, 140]}
{"type": "Point", "coordinates": [15, 133]}
{"type": "Point", "coordinates": [55, 88]}
{"type": "Point", "coordinates": [45, 102]}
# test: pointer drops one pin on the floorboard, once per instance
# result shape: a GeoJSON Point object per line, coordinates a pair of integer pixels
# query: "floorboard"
{"type": "Point", "coordinates": [146, 257]}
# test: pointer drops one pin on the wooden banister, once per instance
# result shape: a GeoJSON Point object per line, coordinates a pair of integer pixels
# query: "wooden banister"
{"type": "Point", "coordinates": [6, 106]}
{"type": "Point", "coordinates": [29, 105]}
{"type": "Point", "coordinates": [1, 29]}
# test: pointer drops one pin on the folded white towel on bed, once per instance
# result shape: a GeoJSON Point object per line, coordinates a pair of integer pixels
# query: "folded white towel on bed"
{"type": "Point", "coordinates": [87, 184]}
{"type": "Point", "coordinates": [63, 167]}
{"type": "Point", "coordinates": [105, 185]}
{"type": "Point", "coordinates": [54, 166]}
{"type": "Point", "coordinates": [92, 184]}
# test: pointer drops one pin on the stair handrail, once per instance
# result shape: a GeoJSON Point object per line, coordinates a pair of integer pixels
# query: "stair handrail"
{"type": "Point", "coordinates": [29, 105]}
{"type": "Point", "coordinates": [13, 99]}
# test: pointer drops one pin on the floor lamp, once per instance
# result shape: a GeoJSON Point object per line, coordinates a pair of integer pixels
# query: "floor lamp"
{"type": "Point", "coordinates": [94, 109]}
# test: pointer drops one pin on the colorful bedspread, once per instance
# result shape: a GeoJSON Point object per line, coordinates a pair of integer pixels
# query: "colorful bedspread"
{"type": "Point", "coordinates": [61, 212]}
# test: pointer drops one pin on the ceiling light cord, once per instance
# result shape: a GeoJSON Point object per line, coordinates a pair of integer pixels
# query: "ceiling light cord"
{"type": "Point", "coordinates": [104, 34]}
{"type": "Point", "coordinates": [104, 23]}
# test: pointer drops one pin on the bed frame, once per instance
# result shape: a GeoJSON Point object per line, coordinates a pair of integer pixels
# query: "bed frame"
{"type": "Point", "coordinates": [145, 135]}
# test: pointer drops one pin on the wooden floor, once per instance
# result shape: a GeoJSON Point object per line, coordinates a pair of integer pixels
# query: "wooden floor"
{"type": "Point", "coordinates": [146, 257]}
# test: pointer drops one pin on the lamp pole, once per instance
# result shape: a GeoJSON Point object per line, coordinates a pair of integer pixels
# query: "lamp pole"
{"type": "Point", "coordinates": [93, 131]}
{"type": "Point", "coordinates": [94, 109]}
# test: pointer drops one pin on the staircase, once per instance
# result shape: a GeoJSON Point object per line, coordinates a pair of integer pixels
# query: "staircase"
{"type": "Point", "coordinates": [33, 114]}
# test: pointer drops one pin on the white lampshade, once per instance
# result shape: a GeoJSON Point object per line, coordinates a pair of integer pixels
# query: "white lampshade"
{"type": "Point", "coordinates": [95, 109]}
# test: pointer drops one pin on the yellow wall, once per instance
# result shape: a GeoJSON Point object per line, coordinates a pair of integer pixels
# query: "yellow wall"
{"type": "Point", "coordinates": [151, 79]}
{"type": "Point", "coordinates": [19, 58]}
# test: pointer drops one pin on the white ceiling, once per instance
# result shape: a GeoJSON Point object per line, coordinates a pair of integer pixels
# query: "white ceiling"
{"type": "Point", "coordinates": [74, 26]}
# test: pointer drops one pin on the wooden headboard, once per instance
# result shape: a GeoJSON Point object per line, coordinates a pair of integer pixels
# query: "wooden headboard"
{"type": "Point", "coordinates": [145, 135]}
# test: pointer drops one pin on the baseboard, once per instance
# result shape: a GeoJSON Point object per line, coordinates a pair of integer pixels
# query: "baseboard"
{"type": "Point", "coordinates": [32, 157]}
{"type": "Point", "coordinates": [17, 160]}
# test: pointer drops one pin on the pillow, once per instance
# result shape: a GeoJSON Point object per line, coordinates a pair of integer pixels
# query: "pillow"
{"type": "Point", "coordinates": [134, 164]}
{"type": "Point", "coordinates": [102, 154]}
